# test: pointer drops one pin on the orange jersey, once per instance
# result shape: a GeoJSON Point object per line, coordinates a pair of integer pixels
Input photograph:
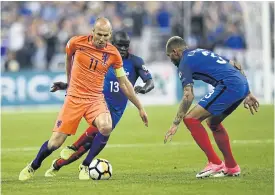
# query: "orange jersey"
{"type": "Point", "coordinates": [90, 66]}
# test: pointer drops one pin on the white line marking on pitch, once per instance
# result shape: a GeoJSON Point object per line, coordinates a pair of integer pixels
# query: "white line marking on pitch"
{"type": "Point", "coordinates": [238, 142]}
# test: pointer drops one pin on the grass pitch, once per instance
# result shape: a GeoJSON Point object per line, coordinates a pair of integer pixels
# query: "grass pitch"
{"type": "Point", "coordinates": [142, 164]}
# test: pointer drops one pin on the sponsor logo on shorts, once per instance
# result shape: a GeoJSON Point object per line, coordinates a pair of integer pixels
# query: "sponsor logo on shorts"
{"type": "Point", "coordinates": [58, 124]}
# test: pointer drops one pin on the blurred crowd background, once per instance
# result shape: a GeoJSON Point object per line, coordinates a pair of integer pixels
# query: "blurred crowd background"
{"type": "Point", "coordinates": [34, 34]}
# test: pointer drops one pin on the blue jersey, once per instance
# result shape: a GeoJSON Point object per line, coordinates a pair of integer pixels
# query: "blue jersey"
{"type": "Point", "coordinates": [201, 64]}
{"type": "Point", "coordinates": [134, 68]}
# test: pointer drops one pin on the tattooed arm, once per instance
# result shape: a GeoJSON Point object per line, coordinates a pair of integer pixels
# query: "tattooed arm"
{"type": "Point", "coordinates": [185, 104]}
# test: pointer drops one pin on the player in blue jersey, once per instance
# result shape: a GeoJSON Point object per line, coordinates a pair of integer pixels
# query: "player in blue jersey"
{"type": "Point", "coordinates": [230, 89]}
{"type": "Point", "coordinates": [115, 99]}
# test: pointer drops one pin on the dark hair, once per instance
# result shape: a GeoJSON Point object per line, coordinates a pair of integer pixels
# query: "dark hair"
{"type": "Point", "coordinates": [120, 37]}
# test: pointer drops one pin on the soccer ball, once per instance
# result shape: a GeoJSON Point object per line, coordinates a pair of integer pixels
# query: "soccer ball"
{"type": "Point", "coordinates": [100, 169]}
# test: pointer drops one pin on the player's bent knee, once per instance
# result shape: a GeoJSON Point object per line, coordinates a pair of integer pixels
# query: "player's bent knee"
{"type": "Point", "coordinates": [188, 116]}
{"type": "Point", "coordinates": [198, 113]}
{"type": "Point", "coordinates": [106, 130]}
{"type": "Point", "coordinates": [105, 127]}
{"type": "Point", "coordinates": [56, 140]}
{"type": "Point", "coordinates": [54, 145]}
{"type": "Point", "coordinates": [194, 116]}
{"type": "Point", "coordinates": [189, 120]}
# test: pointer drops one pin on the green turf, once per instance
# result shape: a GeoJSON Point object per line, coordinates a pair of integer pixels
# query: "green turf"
{"type": "Point", "coordinates": [148, 168]}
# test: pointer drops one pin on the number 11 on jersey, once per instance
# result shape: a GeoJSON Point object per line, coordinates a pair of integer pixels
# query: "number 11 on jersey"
{"type": "Point", "coordinates": [92, 64]}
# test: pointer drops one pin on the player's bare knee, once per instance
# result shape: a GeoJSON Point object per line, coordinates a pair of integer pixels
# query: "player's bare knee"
{"type": "Point", "coordinates": [189, 117]}
{"type": "Point", "coordinates": [192, 116]}
{"type": "Point", "coordinates": [54, 144]}
{"type": "Point", "coordinates": [190, 120]}
{"type": "Point", "coordinates": [56, 140]}
{"type": "Point", "coordinates": [105, 127]}
{"type": "Point", "coordinates": [106, 130]}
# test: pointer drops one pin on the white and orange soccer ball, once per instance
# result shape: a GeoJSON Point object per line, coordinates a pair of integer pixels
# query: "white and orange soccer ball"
{"type": "Point", "coordinates": [100, 169]}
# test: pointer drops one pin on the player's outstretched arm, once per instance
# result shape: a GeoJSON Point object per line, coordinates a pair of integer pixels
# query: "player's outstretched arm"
{"type": "Point", "coordinates": [149, 85]}
{"type": "Point", "coordinates": [186, 102]}
{"type": "Point", "coordinates": [128, 90]}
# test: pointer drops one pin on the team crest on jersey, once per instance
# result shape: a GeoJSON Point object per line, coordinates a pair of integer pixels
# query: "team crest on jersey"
{"type": "Point", "coordinates": [105, 58]}
{"type": "Point", "coordinates": [58, 124]}
{"type": "Point", "coordinates": [180, 75]}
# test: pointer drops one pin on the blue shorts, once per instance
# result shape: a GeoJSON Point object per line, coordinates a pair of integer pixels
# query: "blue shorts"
{"type": "Point", "coordinates": [224, 99]}
{"type": "Point", "coordinates": [115, 114]}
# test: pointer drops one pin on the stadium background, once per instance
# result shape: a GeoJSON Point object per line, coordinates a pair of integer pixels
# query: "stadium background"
{"type": "Point", "coordinates": [34, 34]}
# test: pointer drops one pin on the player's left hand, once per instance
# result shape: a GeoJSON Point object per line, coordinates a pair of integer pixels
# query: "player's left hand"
{"type": "Point", "coordinates": [252, 103]}
{"type": "Point", "coordinates": [58, 86]}
{"type": "Point", "coordinates": [172, 131]}
{"type": "Point", "coordinates": [139, 89]}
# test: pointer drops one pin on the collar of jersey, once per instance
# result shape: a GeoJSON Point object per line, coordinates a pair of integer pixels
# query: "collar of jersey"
{"type": "Point", "coordinates": [186, 51]}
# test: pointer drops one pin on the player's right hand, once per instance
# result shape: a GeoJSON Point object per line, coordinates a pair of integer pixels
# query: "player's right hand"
{"type": "Point", "coordinates": [143, 116]}
{"type": "Point", "coordinates": [139, 89]}
{"type": "Point", "coordinates": [252, 103]}
{"type": "Point", "coordinates": [58, 86]}
{"type": "Point", "coordinates": [170, 133]}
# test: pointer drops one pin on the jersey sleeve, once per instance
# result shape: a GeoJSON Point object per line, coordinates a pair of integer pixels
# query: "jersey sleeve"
{"type": "Point", "coordinates": [142, 70]}
{"type": "Point", "coordinates": [185, 74]}
{"type": "Point", "coordinates": [71, 46]}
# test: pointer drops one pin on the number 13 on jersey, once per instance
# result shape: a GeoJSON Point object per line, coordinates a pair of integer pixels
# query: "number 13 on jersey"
{"type": "Point", "coordinates": [114, 86]}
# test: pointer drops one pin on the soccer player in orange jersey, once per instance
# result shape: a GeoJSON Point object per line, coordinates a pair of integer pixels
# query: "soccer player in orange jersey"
{"type": "Point", "coordinates": [88, 59]}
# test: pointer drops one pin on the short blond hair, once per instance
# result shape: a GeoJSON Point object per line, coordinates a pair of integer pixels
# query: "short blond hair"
{"type": "Point", "coordinates": [174, 43]}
